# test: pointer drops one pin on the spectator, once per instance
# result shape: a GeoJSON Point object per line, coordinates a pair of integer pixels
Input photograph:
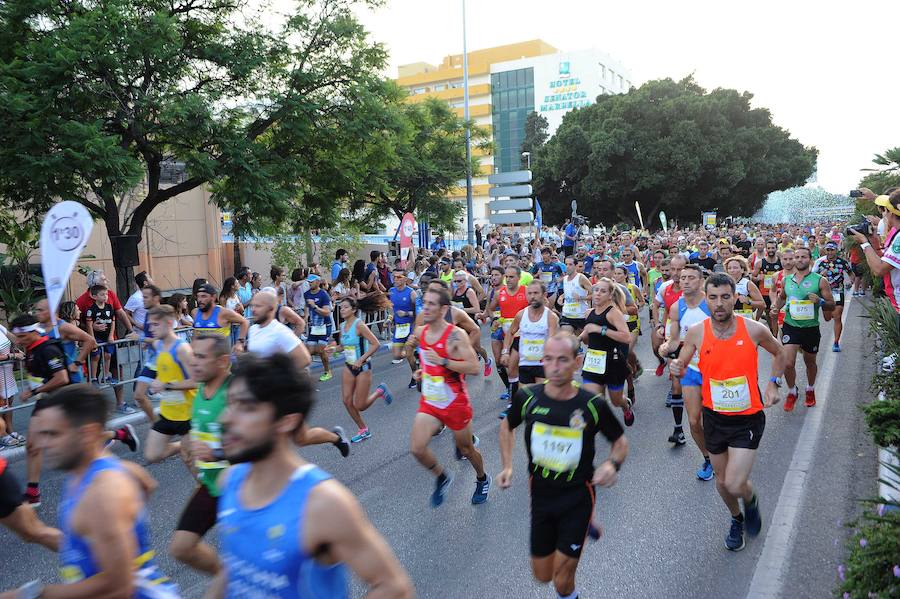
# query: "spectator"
{"type": "Point", "coordinates": [477, 235]}
{"type": "Point", "coordinates": [228, 297]}
{"type": "Point", "coordinates": [277, 275]}
{"type": "Point", "coordinates": [299, 286]}
{"type": "Point", "coordinates": [84, 301]}
{"type": "Point", "coordinates": [340, 262]}
{"type": "Point", "coordinates": [887, 265]}
{"type": "Point", "coordinates": [101, 323]}
{"type": "Point", "coordinates": [134, 307]}
{"type": "Point", "coordinates": [438, 244]}
{"type": "Point", "coordinates": [245, 290]}
{"type": "Point", "coordinates": [179, 302]}
{"type": "Point", "coordinates": [571, 234]}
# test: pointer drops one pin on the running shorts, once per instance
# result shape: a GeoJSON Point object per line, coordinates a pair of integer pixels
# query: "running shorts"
{"type": "Point", "coordinates": [172, 427]}
{"type": "Point", "coordinates": [560, 518]}
{"type": "Point", "coordinates": [320, 339]}
{"type": "Point", "coordinates": [357, 371]}
{"type": "Point", "coordinates": [807, 338]}
{"type": "Point", "coordinates": [576, 323]}
{"type": "Point", "coordinates": [691, 378]}
{"type": "Point", "coordinates": [10, 493]}
{"type": "Point", "coordinates": [498, 334]}
{"type": "Point", "coordinates": [456, 416]}
{"type": "Point", "coordinates": [721, 432]}
{"type": "Point", "coordinates": [529, 374]}
{"type": "Point", "coordinates": [199, 515]}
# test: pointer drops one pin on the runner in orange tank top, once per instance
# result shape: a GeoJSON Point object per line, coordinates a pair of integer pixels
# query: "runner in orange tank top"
{"type": "Point", "coordinates": [446, 356]}
{"type": "Point", "coordinates": [733, 417]}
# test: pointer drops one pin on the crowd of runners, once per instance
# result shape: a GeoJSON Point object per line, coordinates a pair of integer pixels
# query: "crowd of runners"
{"type": "Point", "coordinates": [564, 323]}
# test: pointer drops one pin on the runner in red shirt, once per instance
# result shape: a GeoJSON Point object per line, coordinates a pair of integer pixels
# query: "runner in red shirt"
{"type": "Point", "coordinates": [446, 356]}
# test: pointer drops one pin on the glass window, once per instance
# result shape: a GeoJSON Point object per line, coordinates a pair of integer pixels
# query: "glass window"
{"type": "Point", "coordinates": [419, 90]}
{"type": "Point", "coordinates": [440, 87]}
{"type": "Point", "coordinates": [523, 102]}
{"type": "Point", "coordinates": [529, 76]}
{"type": "Point", "coordinates": [456, 84]}
{"type": "Point", "coordinates": [504, 100]}
{"type": "Point", "coordinates": [520, 77]}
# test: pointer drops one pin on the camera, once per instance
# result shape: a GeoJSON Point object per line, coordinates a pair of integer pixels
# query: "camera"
{"type": "Point", "coordinates": [855, 193]}
{"type": "Point", "coordinates": [865, 227]}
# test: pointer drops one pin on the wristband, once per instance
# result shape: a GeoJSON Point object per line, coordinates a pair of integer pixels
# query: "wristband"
{"type": "Point", "coordinates": [865, 245]}
{"type": "Point", "coordinates": [242, 339]}
{"type": "Point", "coordinates": [776, 381]}
{"type": "Point", "coordinates": [821, 301]}
{"type": "Point", "coordinates": [218, 454]}
{"type": "Point", "coordinates": [603, 330]}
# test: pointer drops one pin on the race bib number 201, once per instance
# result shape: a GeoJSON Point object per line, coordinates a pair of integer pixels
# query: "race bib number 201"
{"type": "Point", "coordinates": [730, 395]}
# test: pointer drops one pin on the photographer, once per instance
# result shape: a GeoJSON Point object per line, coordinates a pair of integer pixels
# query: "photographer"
{"type": "Point", "coordinates": [888, 264]}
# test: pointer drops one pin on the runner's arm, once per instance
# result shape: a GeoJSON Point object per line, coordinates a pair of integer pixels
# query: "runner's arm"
{"type": "Point", "coordinates": [70, 332]}
{"type": "Point", "coordinates": [825, 294]}
{"type": "Point", "coordinates": [552, 324]}
{"type": "Point", "coordinates": [235, 318]}
{"type": "Point", "coordinates": [509, 335]}
{"type": "Point", "coordinates": [335, 525]}
{"type": "Point", "coordinates": [363, 331]}
{"type": "Point", "coordinates": [617, 320]}
{"type": "Point", "coordinates": [692, 340]}
{"type": "Point", "coordinates": [300, 356]}
{"type": "Point", "coordinates": [123, 317]}
{"type": "Point", "coordinates": [756, 299]}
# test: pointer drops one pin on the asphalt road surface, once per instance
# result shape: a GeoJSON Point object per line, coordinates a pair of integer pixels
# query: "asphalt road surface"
{"type": "Point", "coordinates": [663, 528]}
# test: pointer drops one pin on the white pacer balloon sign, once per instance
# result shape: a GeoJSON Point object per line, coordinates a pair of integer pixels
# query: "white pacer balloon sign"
{"type": "Point", "coordinates": [64, 234]}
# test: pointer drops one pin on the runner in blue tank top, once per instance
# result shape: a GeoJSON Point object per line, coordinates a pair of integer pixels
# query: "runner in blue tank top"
{"type": "Point", "coordinates": [282, 520]}
{"type": "Point", "coordinates": [106, 545]}
{"type": "Point", "coordinates": [406, 304]}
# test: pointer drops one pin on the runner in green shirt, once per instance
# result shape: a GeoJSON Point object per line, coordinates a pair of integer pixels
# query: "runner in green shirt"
{"type": "Point", "coordinates": [211, 366]}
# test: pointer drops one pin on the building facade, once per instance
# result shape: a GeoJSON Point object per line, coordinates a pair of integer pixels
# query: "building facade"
{"type": "Point", "coordinates": [506, 83]}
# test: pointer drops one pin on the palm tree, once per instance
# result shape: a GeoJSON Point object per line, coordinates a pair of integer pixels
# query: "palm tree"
{"type": "Point", "coordinates": [886, 175]}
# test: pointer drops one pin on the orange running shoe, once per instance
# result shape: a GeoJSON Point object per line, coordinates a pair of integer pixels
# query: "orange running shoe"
{"type": "Point", "coordinates": [810, 398]}
{"type": "Point", "coordinates": [790, 400]}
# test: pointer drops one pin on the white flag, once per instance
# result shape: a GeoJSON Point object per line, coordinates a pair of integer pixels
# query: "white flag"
{"type": "Point", "coordinates": [64, 234]}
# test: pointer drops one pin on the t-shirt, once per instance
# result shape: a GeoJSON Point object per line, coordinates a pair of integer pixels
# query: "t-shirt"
{"type": "Point", "coordinates": [101, 315]}
{"type": "Point", "coordinates": [205, 427]}
{"type": "Point", "coordinates": [834, 271]}
{"type": "Point", "coordinates": [135, 305]}
{"type": "Point", "coordinates": [322, 299]}
{"type": "Point", "coordinates": [559, 435]}
{"type": "Point", "coordinates": [44, 358]}
{"type": "Point", "coordinates": [892, 278]}
{"type": "Point", "coordinates": [707, 261]}
{"type": "Point", "coordinates": [85, 300]}
{"type": "Point", "coordinates": [274, 338]}
{"type": "Point", "coordinates": [572, 230]}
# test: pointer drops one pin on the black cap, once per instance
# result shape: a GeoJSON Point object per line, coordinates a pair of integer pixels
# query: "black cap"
{"type": "Point", "coordinates": [208, 288]}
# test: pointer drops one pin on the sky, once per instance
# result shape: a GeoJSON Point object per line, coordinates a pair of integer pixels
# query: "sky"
{"type": "Point", "coordinates": [819, 67]}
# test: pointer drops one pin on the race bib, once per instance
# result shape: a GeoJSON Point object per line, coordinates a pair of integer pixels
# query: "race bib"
{"type": "Point", "coordinates": [434, 389]}
{"type": "Point", "coordinates": [631, 318]}
{"type": "Point", "coordinates": [71, 574]}
{"type": "Point", "coordinates": [730, 395]}
{"type": "Point", "coordinates": [401, 331]}
{"type": "Point", "coordinates": [505, 323]}
{"type": "Point", "coordinates": [171, 399]}
{"type": "Point", "coordinates": [350, 355]}
{"type": "Point", "coordinates": [570, 309]}
{"type": "Point", "coordinates": [532, 349]}
{"type": "Point", "coordinates": [320, 330]}
{"type": "Point", "coordinates": [802, 310]}
{"type": "Point", "coordinates": [547, 277]}
{"type": "Point", "coordinates": [768, 281]}
{"type": "Point", "coordinates": [213, 438]}
{"type": "Point", "coordinates": [837, 295]}
{"type": "Point", "coordinates": [556, 448]}
{"type": "Point", "coordinates": [595, 361]}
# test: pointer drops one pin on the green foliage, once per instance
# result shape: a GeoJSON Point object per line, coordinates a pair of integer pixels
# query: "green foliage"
{"type": "Point", "coordinates": [883, 417]}
{"type": "Point", "coordinates": [887, 173]}
{"type": "Point", "coordinates": [289, 250]}
{"type": "Point", "coordinates": [18, 288]}
{"type": "Point", "coordinates": [536, 127]}
{"type": "Point", "coordinates": [672, 146]}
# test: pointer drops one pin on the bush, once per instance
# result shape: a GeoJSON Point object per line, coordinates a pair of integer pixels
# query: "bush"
{"type": "Point", "coordinates": [883, 420]}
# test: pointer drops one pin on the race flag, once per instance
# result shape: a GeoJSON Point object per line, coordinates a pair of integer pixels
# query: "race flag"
{"type": "Point", "coordinates": [64, 234]}
{"type": "Point", "coordinates": [538, 214]}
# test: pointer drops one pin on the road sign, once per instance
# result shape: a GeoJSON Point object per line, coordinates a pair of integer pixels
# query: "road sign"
{"type": "Point", "coordinates": [510, 177]}
{"type": "Point", "coordinates": [511, 191]}
{"type": "Point", "coordinates": [511, 218]}
{"type": "Point", "coordinates": [516, 204]}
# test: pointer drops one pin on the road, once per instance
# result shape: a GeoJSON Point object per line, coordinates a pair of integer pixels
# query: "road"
{"type": "Point", "coordinates": [663, 528]}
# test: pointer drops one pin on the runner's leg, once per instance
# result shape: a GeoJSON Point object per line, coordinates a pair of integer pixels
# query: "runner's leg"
{"type": "Point", "coordinates": [348, 392]}
{"type": "Point", "coordinates": [425, 426]}
{"type": "Point", "coordinates": [463, 439]}
{"type": "Point", "coordinates": [158, 447]}
{"type": "Point", "coordinates": [812, 369]}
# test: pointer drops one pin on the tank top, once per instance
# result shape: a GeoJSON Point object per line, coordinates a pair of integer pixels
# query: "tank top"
{"type": "Point", "coordinates": [768, 270]}
{"type": "Point", "coordinates": [601, 349]}
{"type": "Point", "coordinates": [354, 345]}
{"type": "Point", "coordinates": [211, 324]}
{"type": "Point", "coordinates": [510, 305]}
{"type": "Point", "coordinates": [75, 557]}
{"type": "Point", "coordinates": [461, 301]}
{"type": "Point", "coordinates": [730, 370]}
{"type": "Point", "coordinates": [741, 288]}
{"type": "Point", "coordinates": [688, 316]}
{"type": "Point", "coordinates": [532, 337]}
{"type": "Point", "coordinates": [440, 386]}
{"type": "Point", "coordinates": [261, 548]}
{"type": "Point", "coordinates": [173, 405]}
{"type": "Point", "coordinates": [634, 274]}
{"type": "Point", "coordinates": [70, 349]}
{"type": "Point", "coordinates": [802, 312]}
{"type": "Point", "coordinates": [205, 427]}
{"type": "Point", "coordinates": [575, 298]}
{"type": "Point", "coordinates": [633, 290]}
{"type": "Point", "coordinates": [402, 301]}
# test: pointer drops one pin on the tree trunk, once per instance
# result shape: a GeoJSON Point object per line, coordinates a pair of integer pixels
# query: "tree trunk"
{"type": "Point", "coordinates": [236, 250]}
{"type": "Point", "coordinates": [308, 244]}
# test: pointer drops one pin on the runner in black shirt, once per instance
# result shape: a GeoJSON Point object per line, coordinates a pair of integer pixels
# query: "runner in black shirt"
{"type": "Point", "coordinates": [561, 422]}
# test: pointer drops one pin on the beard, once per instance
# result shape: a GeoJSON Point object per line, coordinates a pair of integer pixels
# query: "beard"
{"type": "Point", "coordinates": [262, 319]}
{"type": "Point", "coordinates": [258, 452]}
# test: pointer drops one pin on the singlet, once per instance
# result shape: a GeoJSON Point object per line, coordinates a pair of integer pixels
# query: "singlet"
{"type": "Point", "coordinates": [549, 273]}
{"type": "Point", "coordinates": [532, 337]}
{"type": "Point", "coordinates": [802, 312]}
{"type": "Point", "coordinates": [75, 557]}
{"type": "Point", "coordinates": [655, 278]}
{"type": "Point", "coordinates": [634, 273]}
{"type": "Point", "coordinates": [261, 547]}
{"type": "Point", "coordinates": [741, 288]}
{"type": "Point", "coordinates": [768, 270]}
{"type": "Point", "coordinates": [576, 302]}
{"type": "Point", "coordinates": [205, 427]}
{"type": "Point", "coordinates": [633, 290]}
{"type": "Point", "coordinates": [402, 300]}
{"type": "Point", "coordinates": [354, 345]}
{"type": "Point", "coordinates": [461, 301]}
{"type": "Point", "coordinates": [440, 386]}
{"type": "Point", "coordinates": [69, 348]}
{"type": "Point", "coordinates": [688, 316]}
{"type": "Point", "coordinates": [510, 305]}
{"type": "Point", "coordinates": [730, 370]}
{"type": "Point", "coordinates": [602, 351]}
{"type": "Point", "coordinates": [173, 405]}
{"type": "Point", "coordinates": [211, 324]}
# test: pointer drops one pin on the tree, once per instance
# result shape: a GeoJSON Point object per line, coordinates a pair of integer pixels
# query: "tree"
{"type": "Point", "coordinates": [98, 97]}
{"type": "Point", "coordinates": [427, 144]}
{"type": "Point", "coordinates": [672, 146]}
{"type": "Point", "coordinates": [888, 175]}
{"type": "Point", "coordinates": [536, 135]}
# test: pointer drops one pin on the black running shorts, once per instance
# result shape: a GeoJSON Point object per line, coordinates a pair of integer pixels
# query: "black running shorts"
{"type": "Point", "coordinates": [10, 493]}
{"type": "Point", "coordinates": [172, 427]}
{"type": "Point", "coordinates": [721, 432]}
{"type": "Point", "coordinates": [560, 519]}
{"type": "Point", "coordinates": [199, 515]}
{"type": "Point", "coordinates": [807, 338]}
{"type": "Point", "coordinates": [529, 374]}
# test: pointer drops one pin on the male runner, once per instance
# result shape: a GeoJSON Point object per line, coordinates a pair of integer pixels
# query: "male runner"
{"type": "Point", "coordinates": [733, 418]}
{"type": "Point", "coordinates": [636, 272]}
{"type": "Point", "coordinates": [803, 294]}
{"type": "Point", "coordinates": [765, 271]}
{"type": "Point", "coordinates": [549, 272]}
{"type": "Point", "coordinates": [690, 309]}
{"type": "Point", "coordinates": [446, 357]}
{"type": "Point", "coordinates": [656, 339]}
{"type": "Point", "coordinates": [321, 323]}
{"type": "Point", "coordinates": [106, 549]}
{"type": "Point", "coordinates": [833, 267]}
{"type": "Point", "coordinates": [531, 328]}
{"type": "Point", "coordinates": [561, 421]}
{"type": "Point", "coordinates": [459, 318]}
{"type": "Point", "coordinates": [75, 342]}
{"type": "Point", "coordinates": [210, 317]}
{"type": "Point", "coordinates": [576, 297]}
{"type": "Point", "coordinates": [287, 529]}
{"type": "Point", "coordinates": [152, 297]}
{"type": "Point", "coordinates": [509, 300]}
{"type": "Point", "coordinates": [403, 299]}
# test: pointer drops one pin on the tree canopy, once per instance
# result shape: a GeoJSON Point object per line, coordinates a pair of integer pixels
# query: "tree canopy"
{"type": "Point", "coordinates": [886, 173]}
{"type": "Point", "coordinates": [672, 146]}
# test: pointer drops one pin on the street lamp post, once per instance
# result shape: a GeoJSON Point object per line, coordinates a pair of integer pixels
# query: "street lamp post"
{"type": "Point", "coordinates": [527, 157]}
{"type": "Point", "coordinates": [470, 224]}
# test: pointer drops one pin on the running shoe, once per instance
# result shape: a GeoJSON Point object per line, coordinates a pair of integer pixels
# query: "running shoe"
{"type": "Point", "coordinates": [32, 497]}
{"type": "Point", "coordinates": [810, 398]}
{"type": "Point", "coordinates": [362, 435]}
{"type": "Point", "coordinates": [326, 376]}
{"type": "Point", "coordinates": [343, 444]}
{"type": "Point", "coordinates": [628, 414]}
{"type": "Point", "coordinates": [752, 518]}
{"type": "Point", "coordinates": [735, 539]}
{"type": "Point", "coordinates": [481, 490]}
{"type": "Point", "coordinates": [112, 380]}
{"type": "Point", "coordinates": [388, 398]}
{"type": "Point", "coordinates": [677, 437]}
{"type": "Point", "coordinates": [594, 531]}
{"type": "Point", "coordinates": [790, 400]}
{"type": "Point", "coordinates": [412, 384]}
{"type": "Point", "coordinates": [502, 415]}
{"type": "Point", "coordinates": [639, 373]}
{"type": "Point", "coordinates": [706, 472]}
{"type": "Point", "coordinates": [504, 396]}
{"type": "Point", "coordinates": [836, 348]}
{"type": "Point", "coordinates": [459, 455]}
{"type": "Point", "coordinates": [661, 369]}
{"type": "Point", "coordinates": [125, 409]}
{"type": "Point", "coordinates": [488, 367]}
{"type": "Point", "coordinates": [397, 361]}
{"type": "Point", "coordinates": [441, 486]}
{"type": "Point", "coordinates": [129, 437]}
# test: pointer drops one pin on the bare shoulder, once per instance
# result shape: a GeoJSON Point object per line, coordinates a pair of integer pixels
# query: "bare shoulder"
{"type": "Point", "coordinates": [330, 509]}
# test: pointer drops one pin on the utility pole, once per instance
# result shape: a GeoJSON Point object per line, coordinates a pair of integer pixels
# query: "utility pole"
{"type": "Point", "coordinates": [470, 222]}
